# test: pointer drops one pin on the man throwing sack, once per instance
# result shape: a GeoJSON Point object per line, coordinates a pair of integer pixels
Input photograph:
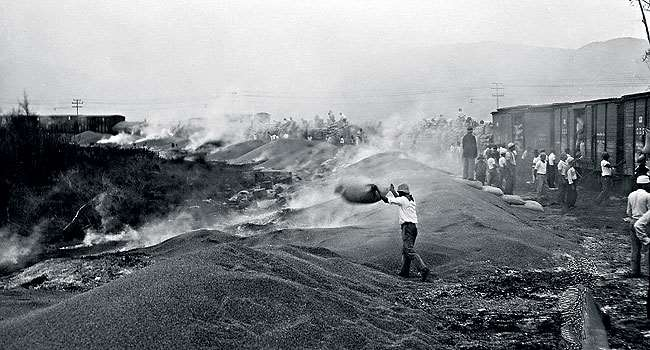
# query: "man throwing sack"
{"type": "Point", "coordinates": [408, 220]}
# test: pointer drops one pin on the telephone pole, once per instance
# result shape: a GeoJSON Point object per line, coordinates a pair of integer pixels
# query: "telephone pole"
{"type": "Point", "coordinates": [77, 103]}
{"type": "Point", "coordinates": [498, 91]}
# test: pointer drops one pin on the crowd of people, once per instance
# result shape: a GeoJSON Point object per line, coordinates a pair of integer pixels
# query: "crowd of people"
{"type": "Point", "coordinates": [498, 166]}
{"type": "Point", "coordinates": [331, 130]}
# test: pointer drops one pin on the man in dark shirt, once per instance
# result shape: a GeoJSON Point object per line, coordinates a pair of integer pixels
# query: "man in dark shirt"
{"type": "Point", "coordinates": [470, 151]}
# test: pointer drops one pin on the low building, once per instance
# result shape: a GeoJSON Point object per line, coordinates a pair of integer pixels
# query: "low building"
{"type": "Point", "coordinates": [74, 124]}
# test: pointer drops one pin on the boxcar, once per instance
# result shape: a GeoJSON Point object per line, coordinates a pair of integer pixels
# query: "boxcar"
{"type": "Point", "coordinates": [612, 125]}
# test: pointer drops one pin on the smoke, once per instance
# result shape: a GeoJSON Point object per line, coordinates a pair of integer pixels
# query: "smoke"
{"type": "Point", "coordinates": [16, 250]}
{"type": "Point", "coordinates": [119, 139]}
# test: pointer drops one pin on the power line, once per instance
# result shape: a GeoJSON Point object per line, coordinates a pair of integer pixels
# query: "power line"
{"type": "Point", "coordinates": [498, 91]}
{"type": "Point", "coordinates": [77, 103]}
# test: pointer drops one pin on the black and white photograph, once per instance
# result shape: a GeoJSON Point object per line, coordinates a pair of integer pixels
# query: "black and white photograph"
{"type": "Point", "coordinates": [361, 174]}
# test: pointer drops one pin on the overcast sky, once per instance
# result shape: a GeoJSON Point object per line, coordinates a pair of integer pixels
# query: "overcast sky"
{"type": "Point", "coordinates": [154, 58]}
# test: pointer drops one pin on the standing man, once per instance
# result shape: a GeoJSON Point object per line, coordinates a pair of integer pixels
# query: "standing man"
{"type": "Point", "coordinates": [492, 171]}
{"type": "Point", "coordinates": [509, 169]}
{"type": "Point", "coordinates": [551, 171]}
{"type": "Point", "coordinates": [572, 186]}
{"type": "Point", "coordinates": [605, 178]}
{"type": "Point", "coordinates": [540, 177]}
{"type": "Point", "coordinates": [470, 151]}
{"type": "Point", "coordinates": [408, 220]}
{"type": "Point", "coordinates": [562, 167]}
{"type": "Point", "coordinates": [638, 203]}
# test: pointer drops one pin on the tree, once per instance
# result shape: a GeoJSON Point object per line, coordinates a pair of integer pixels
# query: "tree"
{"type": "Point", "coordinates": [644, 5]}
{"type": "Point", "coordinates": [24, 105]}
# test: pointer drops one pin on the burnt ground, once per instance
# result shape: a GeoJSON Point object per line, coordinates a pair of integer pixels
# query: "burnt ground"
{"type": "Point", "coordinates": [483, 307]}
{"type": "Point", "coordinates": [604, 235]}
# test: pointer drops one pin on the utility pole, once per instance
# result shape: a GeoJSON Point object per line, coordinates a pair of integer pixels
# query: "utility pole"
{"type": "Point", "coordinates": [498, 91]}
{"type": "Point", "coordinates": [645, 23]}
{"type": "Point", "coordinates": [77, 103]}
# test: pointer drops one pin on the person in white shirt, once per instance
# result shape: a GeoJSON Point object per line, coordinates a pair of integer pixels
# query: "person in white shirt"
{"type": "Point", "coordinates": [562, 167]}
{"type": "Point", "coordinates": [551, 170]}
{"type": "Point", "coordinates": [509, 169]}
{"type": "Point", "coordinates": [408, 221]}
{"type": "Point", "coordinates": [540, 177]}
{"type": "Point", "coordinates": [534, 163]}
{"type": "Point", "coordinates": [492, 172]}
{"type": "Point", "coordinates": [638, 203]}
{"type": "Point", "coordinates": [572, 187]}
{"type": "Point", "coordinates": [606, 178]}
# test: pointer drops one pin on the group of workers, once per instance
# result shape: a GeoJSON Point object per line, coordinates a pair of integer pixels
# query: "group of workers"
{"type": "Point", "coordinates": [500, 168]}
{"type": "Point", "coordinates": [638, 215]}
{"type": "Point", "coordinates": [497, 166]}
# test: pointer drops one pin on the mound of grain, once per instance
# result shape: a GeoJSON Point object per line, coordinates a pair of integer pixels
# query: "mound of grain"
{"type": "Point", "coordinates": [89, 137]}
{"type": "Point", "coordinates": [299, 156]}
{"type": "Point", "coordinates": [232, 296]}
{"type": "Point", "coordinates": [474, 184]}
{"type": "Point", "coordinates": [235, 150]}
{"type": "Point", "coordinates": [458, 226]}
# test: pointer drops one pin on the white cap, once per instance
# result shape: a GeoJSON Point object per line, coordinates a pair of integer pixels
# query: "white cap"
{"type": "Point", "coordinates": [643, 179]}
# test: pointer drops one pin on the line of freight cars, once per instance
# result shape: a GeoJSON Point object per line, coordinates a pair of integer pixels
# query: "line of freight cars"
{"type": "Point", "coordinates": [614, 125]}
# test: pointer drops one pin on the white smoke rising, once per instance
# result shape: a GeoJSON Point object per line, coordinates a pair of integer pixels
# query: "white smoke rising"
{"type": "Point", "coordinates": [14, 248]}
{"type": "Point", "coordinates": [119, 139]}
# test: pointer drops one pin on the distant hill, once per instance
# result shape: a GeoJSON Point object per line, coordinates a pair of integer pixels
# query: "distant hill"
{"type": "Point", "coordinates": [371, 83]}
{"type": "Point", "coordinates": [460, 75]}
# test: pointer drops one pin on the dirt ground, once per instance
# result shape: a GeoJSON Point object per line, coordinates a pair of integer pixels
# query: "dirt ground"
{"type": "Point", "coordinates": [604, 235]}
{"type": "Point", "coordinates": [496, 283]}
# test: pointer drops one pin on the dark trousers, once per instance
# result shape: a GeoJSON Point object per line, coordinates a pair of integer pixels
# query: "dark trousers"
{"type": "Point", "coordinates": [571, 195]}
{"type": "Point", "coordinates": [562, 190]}
{"type": "Point", "coordinates": [635, 260]}
{"type": "Point", "coordinates": [493, 178]}
{"type": "Point", "coordinates": [509, 181]}
{"type": "Point", "coordinates": [541, 187]}
{"type": "Point", "coordinates": [605, 186]}
{"type": "Point", "coordinates": [468, 167]}
{"type": "Point", "coordinates": [409, 233]}
{"type": "Point", "coordinates": [550, 175]}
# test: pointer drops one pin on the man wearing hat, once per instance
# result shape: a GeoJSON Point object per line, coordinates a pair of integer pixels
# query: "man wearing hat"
{"type": "Point", "coordinates": [509, 170]}
{"type": "Point", "coordinates": [638, 203]}
{"type": "Point", "coordinates": [470, 151]}
{"type": "Point", "coordinates": [408, 220]}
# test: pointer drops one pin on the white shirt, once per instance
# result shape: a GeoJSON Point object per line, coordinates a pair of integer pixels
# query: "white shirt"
{"type": "Point", "coordinates": [551, 159]}
{"type": "Point", "coordinates": [562, 167]}
{"type": "Point", "coordinates": [606, 171]}
{"type": "Point", "coordinates": [491, 163]}
{"type": "Point", "coordinates": [513, 157]}
{"type": "Point", "coordinates": [571, 175]}
{"type": "Point", "coordinates": [638, 202]}
{"type": "Point", "coordinates": [540, 167]}
{"type": "Point", "coordinates": [406, 208]}
{"type": "Point", "coordinates": [502, 162]}
{"type": "Point", "coordinates": [535, 160]}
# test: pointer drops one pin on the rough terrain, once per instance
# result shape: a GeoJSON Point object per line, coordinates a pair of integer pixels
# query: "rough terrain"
{"type": "Point", "coordinates": [322, 273]}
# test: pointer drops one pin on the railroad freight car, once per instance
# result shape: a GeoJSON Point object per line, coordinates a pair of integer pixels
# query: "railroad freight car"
{"type": "Point", "coordinates": [74, 124]}
{"type": "Point", "coordinates": [587, 128]}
